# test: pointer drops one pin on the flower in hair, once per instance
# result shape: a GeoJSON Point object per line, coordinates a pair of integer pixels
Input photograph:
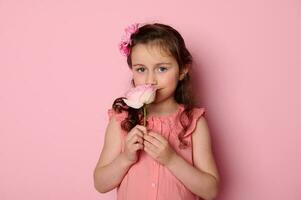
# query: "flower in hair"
{"type": "Point", "coordinates": [126, 38]}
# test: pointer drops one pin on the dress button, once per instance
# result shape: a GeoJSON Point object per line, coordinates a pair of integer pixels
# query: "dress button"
{"type": "Point", "coordinates": [153, 184]}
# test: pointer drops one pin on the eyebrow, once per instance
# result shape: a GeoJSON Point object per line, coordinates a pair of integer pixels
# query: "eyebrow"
{"type": "Point", "coordinates": [162, 63]}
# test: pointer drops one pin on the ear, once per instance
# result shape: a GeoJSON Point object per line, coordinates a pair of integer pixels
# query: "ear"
{"type": "Point", "coordinates": [184, 71]}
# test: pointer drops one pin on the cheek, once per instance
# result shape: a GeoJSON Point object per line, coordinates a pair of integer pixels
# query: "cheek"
{"type": "Point", "coordinates": [170, 80]}
{"type": "Point", "coordinates": [169, 86]}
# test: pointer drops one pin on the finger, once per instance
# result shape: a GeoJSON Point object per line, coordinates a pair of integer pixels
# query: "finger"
{"type": "Point", "coordinates": [138, 146]}
{"type": "Point", "coordinates": [141, 128]}
{"type": "Point", "coordinates": [158, 137]}
{"type": "Point", "coordinates": [133, 132]}
{"type": "Point", "coordinates": [149, 151]}
{"type": "Point", "coordinates": [140, 140]}
{"type": "Point", "coordinates": [135, 139]}
{"type": "Point", "coordinates": [150, 146]}
{"type": "Point", "coordinates": [152, 140]}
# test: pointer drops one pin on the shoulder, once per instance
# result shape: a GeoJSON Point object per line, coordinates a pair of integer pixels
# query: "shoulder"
{"type": "Point", "coordinates": [118, 116]}
{"type": "Point", "coordinates": [198, 112]}
{"type": "Point", "coordinates": [201, 128]}
{"type": "Point", "coordinates": [197, 115]}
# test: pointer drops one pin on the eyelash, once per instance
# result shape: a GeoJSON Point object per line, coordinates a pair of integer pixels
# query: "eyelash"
{"type": "Point", "coordinates": [165, 68]}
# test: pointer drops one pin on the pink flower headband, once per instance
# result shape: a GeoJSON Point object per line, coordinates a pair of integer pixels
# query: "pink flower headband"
{"type": "Point", "coordinates": [126, 38]}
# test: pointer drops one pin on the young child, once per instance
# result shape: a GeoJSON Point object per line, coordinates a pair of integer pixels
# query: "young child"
{"type": "Point", "coordinates": [171, 156]}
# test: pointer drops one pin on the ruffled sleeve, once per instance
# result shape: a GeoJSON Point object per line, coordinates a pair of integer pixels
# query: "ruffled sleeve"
{"type": "Point", "coordinates": [197, 113]}
{"type": "Point", "coordinates": [118, 116]}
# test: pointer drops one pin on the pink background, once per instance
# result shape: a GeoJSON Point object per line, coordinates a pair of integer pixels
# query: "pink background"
{"type": "Point", "coordinates": [60, 71]}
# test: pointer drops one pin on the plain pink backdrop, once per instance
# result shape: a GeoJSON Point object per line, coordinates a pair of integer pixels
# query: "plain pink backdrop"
{"type": "Point", "coordinates": [60, 71]}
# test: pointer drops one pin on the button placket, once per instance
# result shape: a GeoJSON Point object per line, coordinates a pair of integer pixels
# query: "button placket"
{"type": "Point", "coordinates": [155, 171]}
{"type": "Point", "coordinates": [154, 182]}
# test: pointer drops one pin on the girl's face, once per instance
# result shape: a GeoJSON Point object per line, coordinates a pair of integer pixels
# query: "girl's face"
{"type": "Point", "coordinates": [151, 65]}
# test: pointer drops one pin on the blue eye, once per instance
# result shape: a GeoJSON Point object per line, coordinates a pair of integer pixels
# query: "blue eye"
{"type": "Point", "coordinates": [163, 68]}
{"type": "Point", "coordinates": [138, 69]}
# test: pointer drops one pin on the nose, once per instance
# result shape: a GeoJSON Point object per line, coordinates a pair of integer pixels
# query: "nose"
{"type": "Point", "coordinates": [151, 79]}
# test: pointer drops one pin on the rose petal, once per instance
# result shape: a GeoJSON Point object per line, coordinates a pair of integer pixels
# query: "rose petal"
{"type": "Point", "coordinates": [133, 104]}
{"type": "Point", "coordinates": [137, 96]}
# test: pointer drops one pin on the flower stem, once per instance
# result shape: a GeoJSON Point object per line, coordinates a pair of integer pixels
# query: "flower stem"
{"type": "Point", "coordinates": [144, 112]}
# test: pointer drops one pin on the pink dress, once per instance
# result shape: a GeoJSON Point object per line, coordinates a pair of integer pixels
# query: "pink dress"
{"type": "Point", "coordinates": [148, 179]}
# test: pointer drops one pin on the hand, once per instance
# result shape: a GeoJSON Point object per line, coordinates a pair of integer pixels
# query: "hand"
{"type": "Point", "coordinates": [158, 147]}
{"type": "Point", "coordinates": [134, 142]}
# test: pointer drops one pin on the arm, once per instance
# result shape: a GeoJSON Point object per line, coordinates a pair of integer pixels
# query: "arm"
{"type": "Point", "coordinates": [112, 165]}
{"type": "Point", "coordinates": [203, 179]}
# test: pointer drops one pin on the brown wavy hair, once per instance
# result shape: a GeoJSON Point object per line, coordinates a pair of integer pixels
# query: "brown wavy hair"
{"type": "Point", "coordinates": [171, 42]}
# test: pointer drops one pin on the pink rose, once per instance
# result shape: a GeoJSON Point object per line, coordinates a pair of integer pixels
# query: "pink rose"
{"type": "Point", "coordinates": [139, 96]}
{"type": "Point", "coordinates": [136, 97]}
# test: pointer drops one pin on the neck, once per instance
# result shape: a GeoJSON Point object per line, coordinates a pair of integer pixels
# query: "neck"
{"type": "Point", "coordinates": [166, 107]}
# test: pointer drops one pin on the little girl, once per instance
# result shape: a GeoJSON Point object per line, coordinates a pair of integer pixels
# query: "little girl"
{"type": "Point", "coordinates": [170, 158]}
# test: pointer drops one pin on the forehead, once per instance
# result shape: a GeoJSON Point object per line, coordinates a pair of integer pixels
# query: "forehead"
{"type": "Point", "coordinates": [150, 54]}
